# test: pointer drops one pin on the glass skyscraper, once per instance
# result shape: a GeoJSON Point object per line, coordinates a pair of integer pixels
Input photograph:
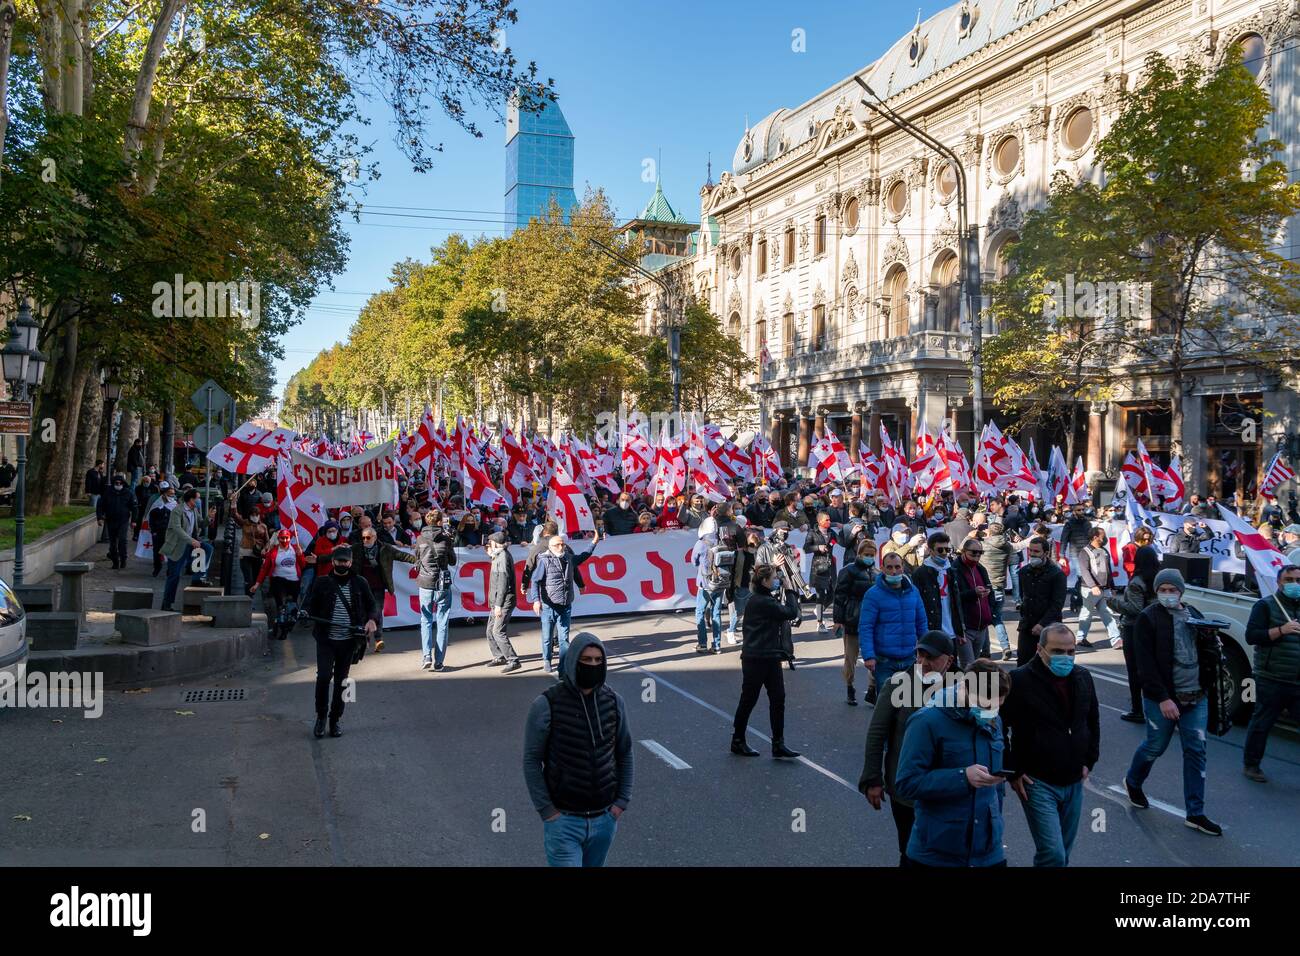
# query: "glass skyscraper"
{"type": "Point", "coordinates": [539, 164]}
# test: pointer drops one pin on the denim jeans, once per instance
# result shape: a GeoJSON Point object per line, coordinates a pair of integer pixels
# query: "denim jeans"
{"type": "Point", "coordinates": [1191, 726]}
{"type": "Point", "coordinates": [708, 603]}
{"type": "Point", "coordinates": [737, 611]}
{"type": "Point", "coordinates": [1053, 815]}
{"type": "Point", "coordinates": [1272, 697]}
{"type": "Point", "coordinates": [579, 841]}
{"type": "Point", "coordinates": [996, 599]}
{"type": "Point", "coordinates": [174, 571]}
{"type": "Point", "coordinates": [1096, 604]}
{"type": "Point", "coordinates": [554, 619]}
{"type": "Point", "coordinates": [887, 667]}
{"type": "Point", "coordinates": [434, 604]}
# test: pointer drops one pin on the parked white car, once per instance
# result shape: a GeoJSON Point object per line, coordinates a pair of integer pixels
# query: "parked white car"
{"type": "Point", "coordinates": [13, 631]}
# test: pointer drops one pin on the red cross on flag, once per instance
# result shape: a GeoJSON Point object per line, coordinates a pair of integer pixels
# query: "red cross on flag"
{"type": "Point", "coordinates": [1264, 558]}
{"type": "Point", "coordinates": [567, 505]}
{"type": "Point", "coordinates": [250, 449]}
{"type": "Point", "coordinates": [518, 471]}
{"type": "Point", "coordinates": [300, 508]}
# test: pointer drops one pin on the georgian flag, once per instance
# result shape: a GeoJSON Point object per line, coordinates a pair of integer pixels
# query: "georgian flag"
{"type": "Point", "coordinates": [703, 473]}
{"type": "Point", "coordinates": [518, 471]}
{"type": "Point", "coordinates": [637, 458]}
{"type": "Point", "coordinates": [1263, 557]}
{"type": "Point", "coordinates": [300, 508]}
{"type": "Point", "coordinates": [826, 468]}
{"type": "Point", "coordinates": [873, 472]}
{"type": "Point", "coordinates": [1058, 477]}
{"type": "Point", "coordinates": [897, 472]}
{"type": "Point", "coordinates": [670, 466]}
{"type": "Point", "coordinates": [1078, 493]}
{"type": "Point", "coordinates": [250, 449]}
{"type": "Point", "coordinates": [1135, 477]}
{"type": "Point", "coordinates": [592, 468]}
{"type": "Point", "coordinates": [958, 466]}
{"type": "Point", "coordinates": [763, 460]}
{"type": "Point", "coordinates": [144, 544]}
{"type": "Point", "coordinates": [478, 486]}
{"type": "Point", "coordinates": [929, 471]}
{"type": "Point", "coordinates": [1173, 482]}
{"type": "Point", "coordinates": [567, 505]}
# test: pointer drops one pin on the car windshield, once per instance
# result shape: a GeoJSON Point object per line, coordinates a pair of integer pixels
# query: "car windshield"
{"type": "Point", "coordinates": [11, 609]}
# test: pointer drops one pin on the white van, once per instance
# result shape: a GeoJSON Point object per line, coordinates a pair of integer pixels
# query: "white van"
{"type": "Point", "coordinates": [13, 631]}
{"type": "Point", "coordinates": [1234, 608]}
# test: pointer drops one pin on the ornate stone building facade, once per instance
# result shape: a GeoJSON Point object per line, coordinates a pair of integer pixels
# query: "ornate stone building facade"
{"type": "Point", "coordinates": [831, 245]}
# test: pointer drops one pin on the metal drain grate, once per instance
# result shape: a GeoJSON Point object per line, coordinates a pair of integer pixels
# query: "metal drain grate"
{"type": "Point", "coordinates": [212, 696]}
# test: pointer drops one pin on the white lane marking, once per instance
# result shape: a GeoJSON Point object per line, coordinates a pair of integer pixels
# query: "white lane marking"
{"type": "Point", "coordinates": [666, 755]}
{"type": "Point", "coordinates": [1158, 804]}
{"type": "Point", "coordinates": [728, 717]}
{"type": "Point", "coordinates": [1103, 675]}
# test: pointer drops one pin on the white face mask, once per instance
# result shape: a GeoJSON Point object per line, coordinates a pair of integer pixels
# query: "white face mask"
{"type": "Point", "coordinates": [1035, 562]}
{"type": "Point", "coordinates": [900, 537]}
{"type": "Point", "coordinates": [1170, 600]}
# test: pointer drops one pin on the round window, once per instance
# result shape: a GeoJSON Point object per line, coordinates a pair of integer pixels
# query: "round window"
{"type": "Point", "coordinates": [851, 214]}
{"type": "Point", "coordinates": [735, 261]}
{"type": "Point", "coordinates": [1077, 129]}
{"type": "Point", "coordinates": [1006, 158]}
{"type": "Point", "coordinates": [897, 200]}
{"type": "Point", "coordinates": [946, 181]}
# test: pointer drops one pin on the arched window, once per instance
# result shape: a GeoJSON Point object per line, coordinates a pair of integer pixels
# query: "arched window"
{"type": "Point", "coordinates": [760, 337]}
{"type": "Point", "coordinates": [1253, 53]}
{"type": "Point", "coordinates": [900, 319]}
{"type": "Point", "coordinates": [733, 326]}
{"type": "Point", "coordinates": [947, 313]}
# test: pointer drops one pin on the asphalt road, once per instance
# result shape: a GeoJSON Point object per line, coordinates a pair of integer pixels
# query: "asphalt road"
{"type": "Point", "coordinates": [429, 770]}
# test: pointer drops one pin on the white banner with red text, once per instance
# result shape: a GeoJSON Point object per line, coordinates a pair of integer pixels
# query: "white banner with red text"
{"type": "Point", "coordinates": [365, 479]}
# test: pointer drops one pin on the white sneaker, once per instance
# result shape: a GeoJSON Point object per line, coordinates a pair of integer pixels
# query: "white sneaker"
{"type": "Point", "coordinates": [731, 639]}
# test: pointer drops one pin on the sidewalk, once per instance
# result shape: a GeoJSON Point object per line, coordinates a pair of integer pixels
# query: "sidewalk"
{"type": "Point", "coordinates": [202, 649]}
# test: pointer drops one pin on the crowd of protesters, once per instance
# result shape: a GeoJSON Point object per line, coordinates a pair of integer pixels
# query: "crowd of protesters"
{"type": "Point", "coordinates": [917, 599]}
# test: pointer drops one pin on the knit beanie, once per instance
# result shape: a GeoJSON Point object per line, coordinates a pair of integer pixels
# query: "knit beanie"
{"type": "Point", "coordinates": [1171, 576]}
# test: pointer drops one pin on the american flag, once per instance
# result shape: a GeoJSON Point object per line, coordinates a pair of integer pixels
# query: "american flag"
{"type": "Point", "coordinates": [1277, 473]}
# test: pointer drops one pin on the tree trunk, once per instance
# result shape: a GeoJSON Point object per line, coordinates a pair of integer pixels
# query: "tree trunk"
{"type": "Point", "coordinates": [155, 443]}
{"type": "Point", "coordinates": [126, 434]}
{"type": "Point", "coordinates": [89, 424]}
{"type": "Point", "coordinates": [62, 476]}
{"type": "Point", "coordinates": [168, 438]}
{"type": "Point", "coordinates": [137, 122]}
{"type": "Point", "coordinates": [8, 16]}
{"type": "Point", "coordinates": [53, 402]}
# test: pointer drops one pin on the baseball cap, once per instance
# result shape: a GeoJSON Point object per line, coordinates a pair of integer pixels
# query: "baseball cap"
{"type": "Point", "coordinates": [935, 643]}
{"type": "Point", "coordinates": [164, 485]}
{"type": "Point", "coordinates": [780, 526]}
{"type": "Point", "coordinates": [837, 493]}
{"type": "Point", "coordinates": [342, 553]}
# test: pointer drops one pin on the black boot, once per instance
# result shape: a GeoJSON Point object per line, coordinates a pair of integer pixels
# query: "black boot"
{"type": "Point", "coordinates": [319, 729]}
{"type": "Point", "coordinates": [742, 749]}
{"type": "Point", "coordinates": [853, 696]}
{"type": "Point", "coordinates": [781, 751]}
{"type": "Point", "coordinates": [335, 729]}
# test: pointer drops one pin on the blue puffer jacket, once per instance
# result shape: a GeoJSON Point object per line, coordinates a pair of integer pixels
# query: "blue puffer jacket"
{"type": "Point", "coordinates": [956, 824]}
{"type": "Point", "coordinates": [891, 621]}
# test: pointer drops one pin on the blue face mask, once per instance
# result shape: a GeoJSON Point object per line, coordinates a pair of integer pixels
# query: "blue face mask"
{"type": "Point", "coordinates": [1292, 590]}
{"type": "Point", "coordinates": [1060, 664]}
{"type": "Point", "coordinates": [893, 579]}
{"type": "Point", "coordinates": [984, 717]}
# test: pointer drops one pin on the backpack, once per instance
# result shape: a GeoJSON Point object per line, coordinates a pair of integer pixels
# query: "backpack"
{"type": "Point", "coordinates": [722, 564]}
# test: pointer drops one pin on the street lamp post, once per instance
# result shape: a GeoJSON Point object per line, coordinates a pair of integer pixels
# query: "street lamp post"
{"type": "Point", "coordinates": [674, 330]}
{"type": "Point", "coordinates": [24, 367]}
{"type": "Point", "coordinates": [969, 260]}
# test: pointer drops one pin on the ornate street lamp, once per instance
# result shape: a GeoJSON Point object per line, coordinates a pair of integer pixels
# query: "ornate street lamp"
{"type": "Point", "coordinates": [24, 368]}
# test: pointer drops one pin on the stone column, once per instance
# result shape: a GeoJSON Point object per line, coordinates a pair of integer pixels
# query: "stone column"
{"type": "Point", "coordinates": [1096, 437]}
{"type": "Point", "coordinates": [775, 437]}
{"type": "Point", "coordinates": [819, 423]}
{"type": "Point", "coordinates": [1195, 453]}
{"type": "Point", "coordinates": [855, 436]}
{"type": "Point", "coordinates": [805, 429]}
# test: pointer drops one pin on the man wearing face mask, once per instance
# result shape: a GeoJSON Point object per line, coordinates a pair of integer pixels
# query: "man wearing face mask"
{"type": "Point", "coordinates": [1054, 734]}
{"type": "Point", "coordinates": [1042, 599]}
{"type": "Point", "coordinates": [621, 519]}
{"type": "Point", "coordinates": [578, 761]}
{"type": "Point", "coordinates": [949, 768]}
{"type": "Point", "coordinates": [501, 604]}
{"type": "Point", "coordinates": [179, 547]}
{"type": "Point", "coordinates": [318, 553]}
{"type": "Point", "coordinates": [906, 692]}
{"type": "Point", "coordinates": [1274, 631]}
{"type": "Point", "coordinates": [762, 511]}
{"type": "Point", "coordinates": [851, 587]}
{"type": "Point", "coordinates": [940, 592]}
{"type": "Point", "coordinates": [340, 602]}
{"type": "Point", "coordinates": [1175, 686]}
{"type": "Point", "coordinates": [767, 616]}
{"type": "Point", "coordinates": [556, 581]}
{"type": "Point", "coordinates": [435, 555]}
{"type": "Point", "coordinates": [777, 552]}
{"type": "Point", "coordinates": [891, 621]}
{"type": "Point", "coordinates": [906, 545]}
{"type": "Point", "coordinates": [116, 510]}
{"type": "Point", "coordinates": [160, 512]}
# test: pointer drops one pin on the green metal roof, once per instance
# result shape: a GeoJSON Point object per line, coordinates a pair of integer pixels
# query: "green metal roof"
{"type": "Point", "coordinates": [659, 210]}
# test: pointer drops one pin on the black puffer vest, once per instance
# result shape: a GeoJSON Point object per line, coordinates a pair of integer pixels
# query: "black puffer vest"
{"type": "Point", "coordinates": [581, 770]}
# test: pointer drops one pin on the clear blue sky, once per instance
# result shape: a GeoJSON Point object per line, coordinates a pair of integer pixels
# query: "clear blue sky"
{"type": "Point", "coordinates": [635, 80]}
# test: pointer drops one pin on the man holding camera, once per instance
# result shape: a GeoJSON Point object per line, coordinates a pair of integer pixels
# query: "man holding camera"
{"type": "Point", "coordinates": [340, 604]}
{"type": "Point", "coordinates": [435, 555]}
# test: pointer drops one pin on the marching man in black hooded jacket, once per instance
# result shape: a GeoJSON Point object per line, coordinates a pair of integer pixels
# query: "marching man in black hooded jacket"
{"type": "Point", "coordinates": [578, 758]}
